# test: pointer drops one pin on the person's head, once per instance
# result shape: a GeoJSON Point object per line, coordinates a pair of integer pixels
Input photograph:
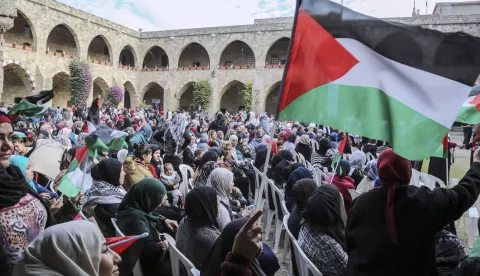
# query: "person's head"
{"type": "Point", "coordinates": [146, 195]}
{"type": "Point", "coordinates": [221, 180]}
{"type": "Point", "coordinates": [315, 131]}
{"type": "Point", "coordinates": [305, 139]}
{"type": "Point", "coordinates": [233, 140]}
{"type": "Point", "coordinates": [23, 163]}
{"type": "Point", "coordinates": [209, 156]}
{"type": "Point", "coordinates": [227, 147]}
{"type": "Point", "coordinates": [220, 135]}
{"type": "Point", "coordinates": [198, 154]}
{"type": "Point", "coordinates": [6, 146]}
{"type": "Point", "coordinates": [168, 168]}
{"type": "Point", "coordinates": [212, 135]}
{"type": "Point", "coordinates": [343, 168]}
{"type": "Point", "coordinates": [155, 153]}
{"type": "Point", "coordinates": [259, 133]}
{"type": "Point", "coordinates": [88, 252]}
{"type": "Point", "coordinates": [358, 159]}
{"type": "Point", "coordinates": [292, 138]}
{"type": "Point", "coordinates": [372, 141]}
{"type": "Point", "coordinates": [19, 144]}
{"type": "Point", "coordinates": [301, 191]}
{"type": "Point", "coordinates": [322, 214]}
{"type": "Point", "coordinates": [201, 206]}
{"type": "Point", "coordinates": [142, 152]}
{"type": "Point", "coordinates": [298, 174]}
{"type": "Point", "coordinates": [122, 154]}
{"type": "Point", "coordinates": [109, 170]}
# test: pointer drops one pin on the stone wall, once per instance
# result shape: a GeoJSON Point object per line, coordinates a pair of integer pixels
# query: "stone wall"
{"type": "Point", "coordinates": [177, 51]}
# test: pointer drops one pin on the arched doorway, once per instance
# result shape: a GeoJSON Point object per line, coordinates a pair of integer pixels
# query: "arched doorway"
{"type": "Point", "coordinates": [100, 88]}
{"type": "Point", "coordinates": [156, 57]}
{"type": "Point", "coordinates": [99, 50]}
{"type": "Point", "coordinates": [237, 55]}
{"type": "Point", "coordinates": [15, 83]}
{"type": "Point", "coordinates": [127, 57]}
{"type": "Point", "coordinates": [194, 55]}
{"type": "Point", "coordinates": [186, 98]}
{"type": "Point", "coordinates": [22, 33]}
{"type": "Point", "coordinates": [129, 91]}
{"type": "Point", "coordinates": [62, 40]}
{"type": "Point", "coordinates": [277, 54]}
{"type": "Point", "coordinates": [271, 99]}
{"type": "Point", "coordinates": [232, 99]}
{"type": "Point", "coordinates": [153, 92]}
{"type": "Point", "coordinates": [61, 82]}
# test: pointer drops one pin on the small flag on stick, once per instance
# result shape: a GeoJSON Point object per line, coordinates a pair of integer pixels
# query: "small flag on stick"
{"type": "Point", "coordinates": [120, 244]}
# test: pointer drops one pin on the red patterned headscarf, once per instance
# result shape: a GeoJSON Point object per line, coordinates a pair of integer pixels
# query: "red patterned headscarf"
{"type": "Point", "coordinates": [393, 171]}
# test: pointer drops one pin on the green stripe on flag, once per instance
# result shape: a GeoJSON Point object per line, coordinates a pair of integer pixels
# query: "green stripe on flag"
{"type": "Point", "coordinates": [28, 109]}
{"type": "Point", "coordinates": [66, 186]}
{"type": "Point", "coordinates": [371, 113]}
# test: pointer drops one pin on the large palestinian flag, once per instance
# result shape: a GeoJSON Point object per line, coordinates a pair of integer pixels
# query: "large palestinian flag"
{"type": "Point", "coordinates": [470, 112]}
{"type": "Point", "coordinates": [397, 83]}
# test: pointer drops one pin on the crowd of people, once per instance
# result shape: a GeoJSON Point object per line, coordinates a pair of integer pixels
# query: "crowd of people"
{"type": "Point", "coordinates": [392, 228]}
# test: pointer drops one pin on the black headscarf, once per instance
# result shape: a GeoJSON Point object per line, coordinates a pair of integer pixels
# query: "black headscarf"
{"type": "Point", "coordinates": [296, 175]}
{"type": "Point", "coordinates": [343, 169]}
{"type": "Point", "coordinates": [108, 170]}
{"type": "Point", "coordinates": [290, 168]}
{"type": "Point", "coordinates": [282, 155]}
{"type": "Point", "coordinates": [13, 186]}
{"type": "Point", "coordinates": [292, 138]}
{"type": "Point", "coordinates": [207, 157]}
{"type": "Point", "coordinates": [222, 247]}
{"type": "Point", "coordinates": [301, 191]}
{"type": "Point", "coordinates": [323, 146]}
{"type": "Point", "coordinates": [322, 213]}
{"type": "Point", "coordinates": [260, 159]}
{"type": "Point", "coordinates": [201, 206]}
{"type": "Point", "coordinates": [276, 174]}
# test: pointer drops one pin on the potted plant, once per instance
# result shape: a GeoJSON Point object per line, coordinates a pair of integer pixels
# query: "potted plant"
{"type": "Point", "coordinates": [223, 67]}
{"type": "Point", "coordinates": [276, 66]}
{"type": "Point", "coordinates": [27, 46]}
{"type": "Point", "coordinates": [244, 67]}
{"type": "Point", "coordinates": [251, 66]}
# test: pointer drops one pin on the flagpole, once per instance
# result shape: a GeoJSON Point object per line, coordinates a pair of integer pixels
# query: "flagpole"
{"type": "Point", "coordinates": [265, 169]}
{"type": "Point", "coordinates": [338, 163]}
{"type": "Point", "coordinates": [446, 163]}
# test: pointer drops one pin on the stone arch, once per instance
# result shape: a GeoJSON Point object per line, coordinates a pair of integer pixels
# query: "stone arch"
{"type": "Point", "coordinates": [100, 88]}
{"type": "Point", "coordinates": [130, 95]}
{"type": "Point", "coordinates": [186, 96]}
{"type": "Point", "coordinates": [28, 74]}
{"type": "Point", "coordinates": [128, 57]}
{"type": "Point", "coordinates": [231, 98]}
{"type": "Point", "coordinates": [100, 49]}
{"type": "Point", "coordinates": [22, 33]}
{"type": "Point", "coordinates": [237, 54]}
{"type": "Point", "coordinates": [194, 55]}
{"type": "Point", "coordinates": [61, 92]}
{"type": "Point", "coordinates": [277, 53]}
{"type": "Point", "coordinates": [155, 57]}
{"type": "Point", "coordinates": [16, 83]}
{"type": "Point", "coordinates": [272, 98]}
{"type": "Point", "coordinates": [153, 91]}
{"type": "Point", "coordinates": [63, 38]}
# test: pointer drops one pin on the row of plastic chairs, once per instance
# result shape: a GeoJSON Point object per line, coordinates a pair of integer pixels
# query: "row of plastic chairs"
{"type": "Point", "coordinates": [176, 257]}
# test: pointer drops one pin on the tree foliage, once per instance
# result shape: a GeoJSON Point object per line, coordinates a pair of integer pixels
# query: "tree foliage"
{"type": "Point", "coordinates": [202, 93]}
{"type": "Point", "coordinates": [246, 93]}
{"type": "Point", "coordinates": [80, 82]}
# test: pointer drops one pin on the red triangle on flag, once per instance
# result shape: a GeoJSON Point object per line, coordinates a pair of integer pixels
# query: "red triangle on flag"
{"type": "Point", "coordinates": [122, 247]}
{"type": "Point", "coordinates": [341, 146]}
{"type": "Point", "coordinates": [476, 102]}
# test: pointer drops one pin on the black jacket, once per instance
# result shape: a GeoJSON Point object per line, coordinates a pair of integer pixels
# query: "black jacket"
{"type": "Point", "coordinates": [419, 214]}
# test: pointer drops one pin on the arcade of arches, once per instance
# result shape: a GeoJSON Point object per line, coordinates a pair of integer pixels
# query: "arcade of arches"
{"type": "Point", "coordinates": [237, 53]}
{"type": "Point", "coordinates": [61, 40]}
{"type": "Point", "coordinates": [98, 50]}
{"type": "Point", "coordinates": [155, 58]}
{"type": "Point", "coordinates": [126, 57]}
{"type": "Point", "coordinates": [61, 82]}
{"type": "Point", "coordinates": [153, 92]}
{"type": "Point", "coordinates": [277, 54]}
{"type": "Point", "coordinates": [232, 99]}
{"type": "Point", "coordinates": [100, 88]}
{"type": "Point", "coordinates": [21, 33]}
{"type": "Point", "coordinates": [16, 83]}
{"type": "Point", "coordinates": [194, 55]}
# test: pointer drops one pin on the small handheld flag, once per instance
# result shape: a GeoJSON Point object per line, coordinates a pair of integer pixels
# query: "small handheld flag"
{"type": "Point", "coordinates": [120, 244]}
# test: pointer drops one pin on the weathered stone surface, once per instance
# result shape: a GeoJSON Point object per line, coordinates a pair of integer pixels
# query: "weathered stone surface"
{"type": "Point", "coordinates": [171, 56]}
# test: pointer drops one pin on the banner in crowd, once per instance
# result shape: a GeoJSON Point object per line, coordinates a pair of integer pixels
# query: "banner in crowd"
{"type": "Point", "coordinates": [397, 83]}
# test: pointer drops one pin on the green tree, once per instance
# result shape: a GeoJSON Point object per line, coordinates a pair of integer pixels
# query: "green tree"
{"type": "Point", "coordinates": [246, 93]}
{"type": "Point", "coordinates": [202, 93]}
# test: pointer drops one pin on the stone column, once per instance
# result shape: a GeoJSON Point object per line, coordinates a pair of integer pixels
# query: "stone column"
{"type": "Point", "coordinates": [8, 12]}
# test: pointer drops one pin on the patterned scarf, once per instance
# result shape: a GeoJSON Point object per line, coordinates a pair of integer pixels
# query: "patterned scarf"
{"type": "Point", "coordinates": [177, 128]}
{"type": "Point", "coordinates": [102, 192]}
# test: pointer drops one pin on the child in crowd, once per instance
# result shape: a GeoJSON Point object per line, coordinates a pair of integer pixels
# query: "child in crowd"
{"type": "Point", "coordinates": [171, 180]}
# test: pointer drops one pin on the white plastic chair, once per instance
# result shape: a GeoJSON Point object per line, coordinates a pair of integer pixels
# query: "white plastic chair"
{"type": "Point", "coordinates": [176, 257]}
{"type": "Point", "coordinates": [277, 199]}
{"type": "Point", "coordinates": [137, 270]}
{"type": "Point", "coordinates": [319, 176]}
{"type": "Point", "coordinates": [184, 170]}
{"type": "Point", "coordinates": [268, 212]}
{"type": "Point", "coordinates": [258, 199]}
{"type": "Point", "coordinates": [370, 157]}
{"type": "Point", "coordinates": [416, 177]}
{"type": "Point", "coordinates": [470, 220]}
{"type": "Point", "coordinates": [354, 149]}
{"type": "Point", "coordinates": [304, 265]}
{"type": "Point", "coordinates": [353, 193]}
{"type": "Point", "coordinates": [286, 244]}
{"type": "Point", "coordinates": [430, 181]}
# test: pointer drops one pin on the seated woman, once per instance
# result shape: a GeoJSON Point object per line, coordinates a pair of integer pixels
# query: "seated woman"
{"type": "Point", "coordinates": [106, 194]}
{"type": "Point", "coordinates": [155, 163]}
{"type": "Point", "coordinates": [241, 180]}
{"type": "Point", "coordinates": [214, 262]}
{"type": "Point", "coordinates": [90, 255]}
{"type": "Point", "coordinates": [304, 147]}
{"type": "Point", "coordinates": [221, 180]}
{"type": "Point", "coordinates": [298, 174]}
{"type": "Point", "coordinates": [19, 145]}
{"type": "Point", "coordinates": [199, 229]}
{"type": "Point", "coordinates": [134, 217]}
{"type": "Point", "coordinates": [357, 161]}
{"type": "Point", "coordinates": [23, 163]}
{"type": "Point", "coordinates": [283, 158]}
{"type": "Point", "coordinates": [322, 236]}
{"type": "Point", "coordinates": [371, 173]}
{"type": "Point", "coordinates": [320, 157]}
{"type": "Point", "coordinates": [136, 168]}
{"type": "Point", "coordinates": [343, 182]}
{"type": "Point", "coordinates": [212, 139]}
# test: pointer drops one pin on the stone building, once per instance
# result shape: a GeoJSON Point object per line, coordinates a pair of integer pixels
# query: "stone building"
{"type": "Point", "coordinates": [162, 65]}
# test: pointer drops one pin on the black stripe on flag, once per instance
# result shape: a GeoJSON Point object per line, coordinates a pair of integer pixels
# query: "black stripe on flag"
{"type": "Point", "coordinates": [455, 56]}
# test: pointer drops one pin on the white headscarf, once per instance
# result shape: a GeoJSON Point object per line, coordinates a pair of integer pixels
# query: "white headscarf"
{"type": "Point", "coordinates": [121, 155]}
{"type": "Point", "coordinates": [357, 161]}
{"type": "Point", "coordinates": [71, 248]}
{"type": "Point", "coordinates": [220, 179]}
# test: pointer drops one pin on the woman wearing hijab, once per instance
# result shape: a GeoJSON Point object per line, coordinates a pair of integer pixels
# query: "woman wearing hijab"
{"type": "Point", "coordinates": [136, 167]}
{"type": "Point", "coordinates": [204, 173]}
{"type": "Point", "coordinates": [384, 241]}
{"type": "Point", "coordinates": [23, 163]}
{"type": "Point", "coordinates": [275, 173]}
{"type": "Point", "coordinates": [298, 174]}
{"type": "Point", "coordinates": [320, 159]}
{"type": "Point", "coordinates": [134, 217]}
{"type": "Point", "coordinates": [155, 163]}
{"type": "Point", "coordinates": [368, 181]}
{"type": "Point", "coordinates": [304, 147]}
{"type": "Point", "coordinates": [343, 182]}
{"type": "Point", "coordinates": [219, 123]}
{"type": "Point", "coordinates": [189, 153]}
{"type": "Point", "coordinates": [199, 229]}
{"type": "Point", "coordinates": [221, 180]}
{"type": "Point", "coordinates": [106, 193]}
{"type": "Point", "coordinates": [90, 255]}
{"type": "Point", "coordinates": [322, 236]}
{"type": "Point", "coordinates": [290, 143]}
{"type": "Point", "coordinates": [357, 161]}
